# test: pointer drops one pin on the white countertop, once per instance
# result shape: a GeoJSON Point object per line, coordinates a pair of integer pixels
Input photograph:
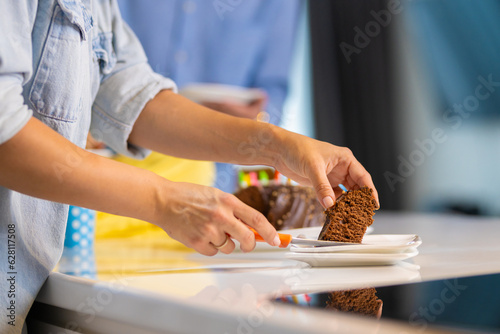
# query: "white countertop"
{"type": "Point", "coordinates": [189, 293]}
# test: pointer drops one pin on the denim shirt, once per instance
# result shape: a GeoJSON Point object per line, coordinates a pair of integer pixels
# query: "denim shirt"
{"type": "Point", "coordinates": [76, 66]}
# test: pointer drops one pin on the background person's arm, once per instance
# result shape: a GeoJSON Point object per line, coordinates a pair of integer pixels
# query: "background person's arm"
{"type": "Point", "coordinates": [250, 110]}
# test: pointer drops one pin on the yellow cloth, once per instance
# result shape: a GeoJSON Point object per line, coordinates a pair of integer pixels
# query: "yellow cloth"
{"type": "Point", "coordinates": [174, 169]}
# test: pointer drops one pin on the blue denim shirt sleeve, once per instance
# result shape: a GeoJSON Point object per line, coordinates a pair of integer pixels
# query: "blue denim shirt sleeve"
{"type": "Point", "coordinates": [15, 65]}
{"type": "Point", "coordinates": [127, 84]}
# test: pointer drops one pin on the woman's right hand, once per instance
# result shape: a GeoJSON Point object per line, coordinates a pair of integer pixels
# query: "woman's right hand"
{"type": "Point", "coordinates": [203, 218]}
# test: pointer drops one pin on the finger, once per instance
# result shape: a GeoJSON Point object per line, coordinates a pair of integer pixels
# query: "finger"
{"type": "Point", "coordinates": [236, 228]}
{"type": "Point", "coordinates": [338, 191]}
{"type": "Point", "coordinates": [323, 188]}
{"type": "Point", "coordinates": [222, 243]}
{"type": "Point", "coordinates": [242, 233]}
{"type": "Point", "coordinates": [361, 178]}
{"type": "Point", "coordinates": [259, 102]}
{"type": "Point", "coordinates": [349, 183]}
{"type": "Point", "coordinates": [227, 246]}
{"type": "Point", "coordinates": [205, 249]}
{"type": "Point", "coordinates": [255, 219]}
{"type": "Point", "coordinates": [200, 241]}
{"type": "Point", "coordinates": [340, 188]}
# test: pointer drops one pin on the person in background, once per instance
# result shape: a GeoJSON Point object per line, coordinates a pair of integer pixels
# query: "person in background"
{"type": "Point", "coordinates": [67, 66]}
{"type": "Point", "coordinates": [246, 44]}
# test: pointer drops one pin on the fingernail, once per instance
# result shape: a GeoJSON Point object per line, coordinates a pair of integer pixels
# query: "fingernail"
{"type": "Point", "coordinates": [276, 241]}
{"type": "Point", "coordinates": [327, 202]}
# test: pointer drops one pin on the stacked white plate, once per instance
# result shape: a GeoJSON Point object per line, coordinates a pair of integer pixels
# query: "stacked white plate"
{"type": "Point", "coordinates": [376, 249]}
{"type": "Point", "coordinates": [211, 92]}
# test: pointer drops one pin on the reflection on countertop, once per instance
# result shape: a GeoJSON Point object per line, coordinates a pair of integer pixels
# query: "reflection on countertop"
{"type": "Point", "coordinates": [175, 285]}
{"type": "Point", "coordinates": [154, 265]}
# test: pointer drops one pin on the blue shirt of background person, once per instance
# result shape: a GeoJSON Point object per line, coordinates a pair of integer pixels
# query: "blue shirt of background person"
{"type": "Point", "coordinates": [246, 43]}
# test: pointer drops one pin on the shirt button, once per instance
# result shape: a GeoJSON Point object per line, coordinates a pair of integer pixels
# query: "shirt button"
{"type": "Point", "coordinates": [189, 6]}
{"type": "Point", "coordinates": [181, 56]}
{"type": "Point", "coordinates": [40, 104]}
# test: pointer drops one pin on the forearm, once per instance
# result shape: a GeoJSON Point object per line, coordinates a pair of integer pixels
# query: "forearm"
{"type": "Point", "coordinates": [176, 126]}
{"type": "Point", "coordinates": [39, 162]}
{"type": "Point", "coordinates": [173, 125]}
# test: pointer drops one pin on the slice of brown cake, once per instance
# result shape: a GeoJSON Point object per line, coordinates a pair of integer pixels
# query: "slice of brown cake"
{"type": "Point", "coordinates": [348, 218]}
{"type": "Point", "coordinates": [359, 301]}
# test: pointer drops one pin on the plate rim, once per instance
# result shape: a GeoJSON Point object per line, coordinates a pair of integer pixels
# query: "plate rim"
{"type": "Point", "coordinates": [360, 248]}
{"type": "Point", "coordinates": [351, 259]}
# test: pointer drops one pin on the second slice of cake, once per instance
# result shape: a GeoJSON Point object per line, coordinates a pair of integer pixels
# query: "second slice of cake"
{"type": "Point", "coordinates": [348, 219]}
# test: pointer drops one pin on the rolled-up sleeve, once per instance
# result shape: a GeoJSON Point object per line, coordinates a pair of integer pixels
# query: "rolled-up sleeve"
{"type": "Point", "coordinates": [15, 65]}
{"type": "Point", "coordinates": [14, 114]}
{"type": "Point", "coordinates": [124, 91]}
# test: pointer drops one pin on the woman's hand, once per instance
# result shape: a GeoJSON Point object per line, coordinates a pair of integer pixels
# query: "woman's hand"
{"type": "Point", "coordinates": [204, 218]}
{"type": "Point", "coordinates": [321, 165]}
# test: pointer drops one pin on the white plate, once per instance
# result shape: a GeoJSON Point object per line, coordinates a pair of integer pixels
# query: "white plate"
{"type": "Point", "coordinates": [209, 92]}
{"type": "Point", "coordinates": [351, 259]}
{"type": "Point", "coordinates": [375, 243]}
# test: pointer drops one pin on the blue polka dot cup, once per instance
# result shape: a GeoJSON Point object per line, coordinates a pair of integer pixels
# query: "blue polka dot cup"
{"type": "Point", "coordinates": [80, 227]}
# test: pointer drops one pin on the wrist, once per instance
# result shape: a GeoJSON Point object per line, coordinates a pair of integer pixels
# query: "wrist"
{"type": "Point", "coordinates": [280, 144]}
{"type": "Point", "coordinates": [267, 141]}
{"type": "Point", "coordinates": [161, 189]}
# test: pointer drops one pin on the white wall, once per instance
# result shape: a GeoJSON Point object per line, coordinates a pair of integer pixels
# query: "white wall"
{"type": "Point", "coordinates": [465, 168]}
